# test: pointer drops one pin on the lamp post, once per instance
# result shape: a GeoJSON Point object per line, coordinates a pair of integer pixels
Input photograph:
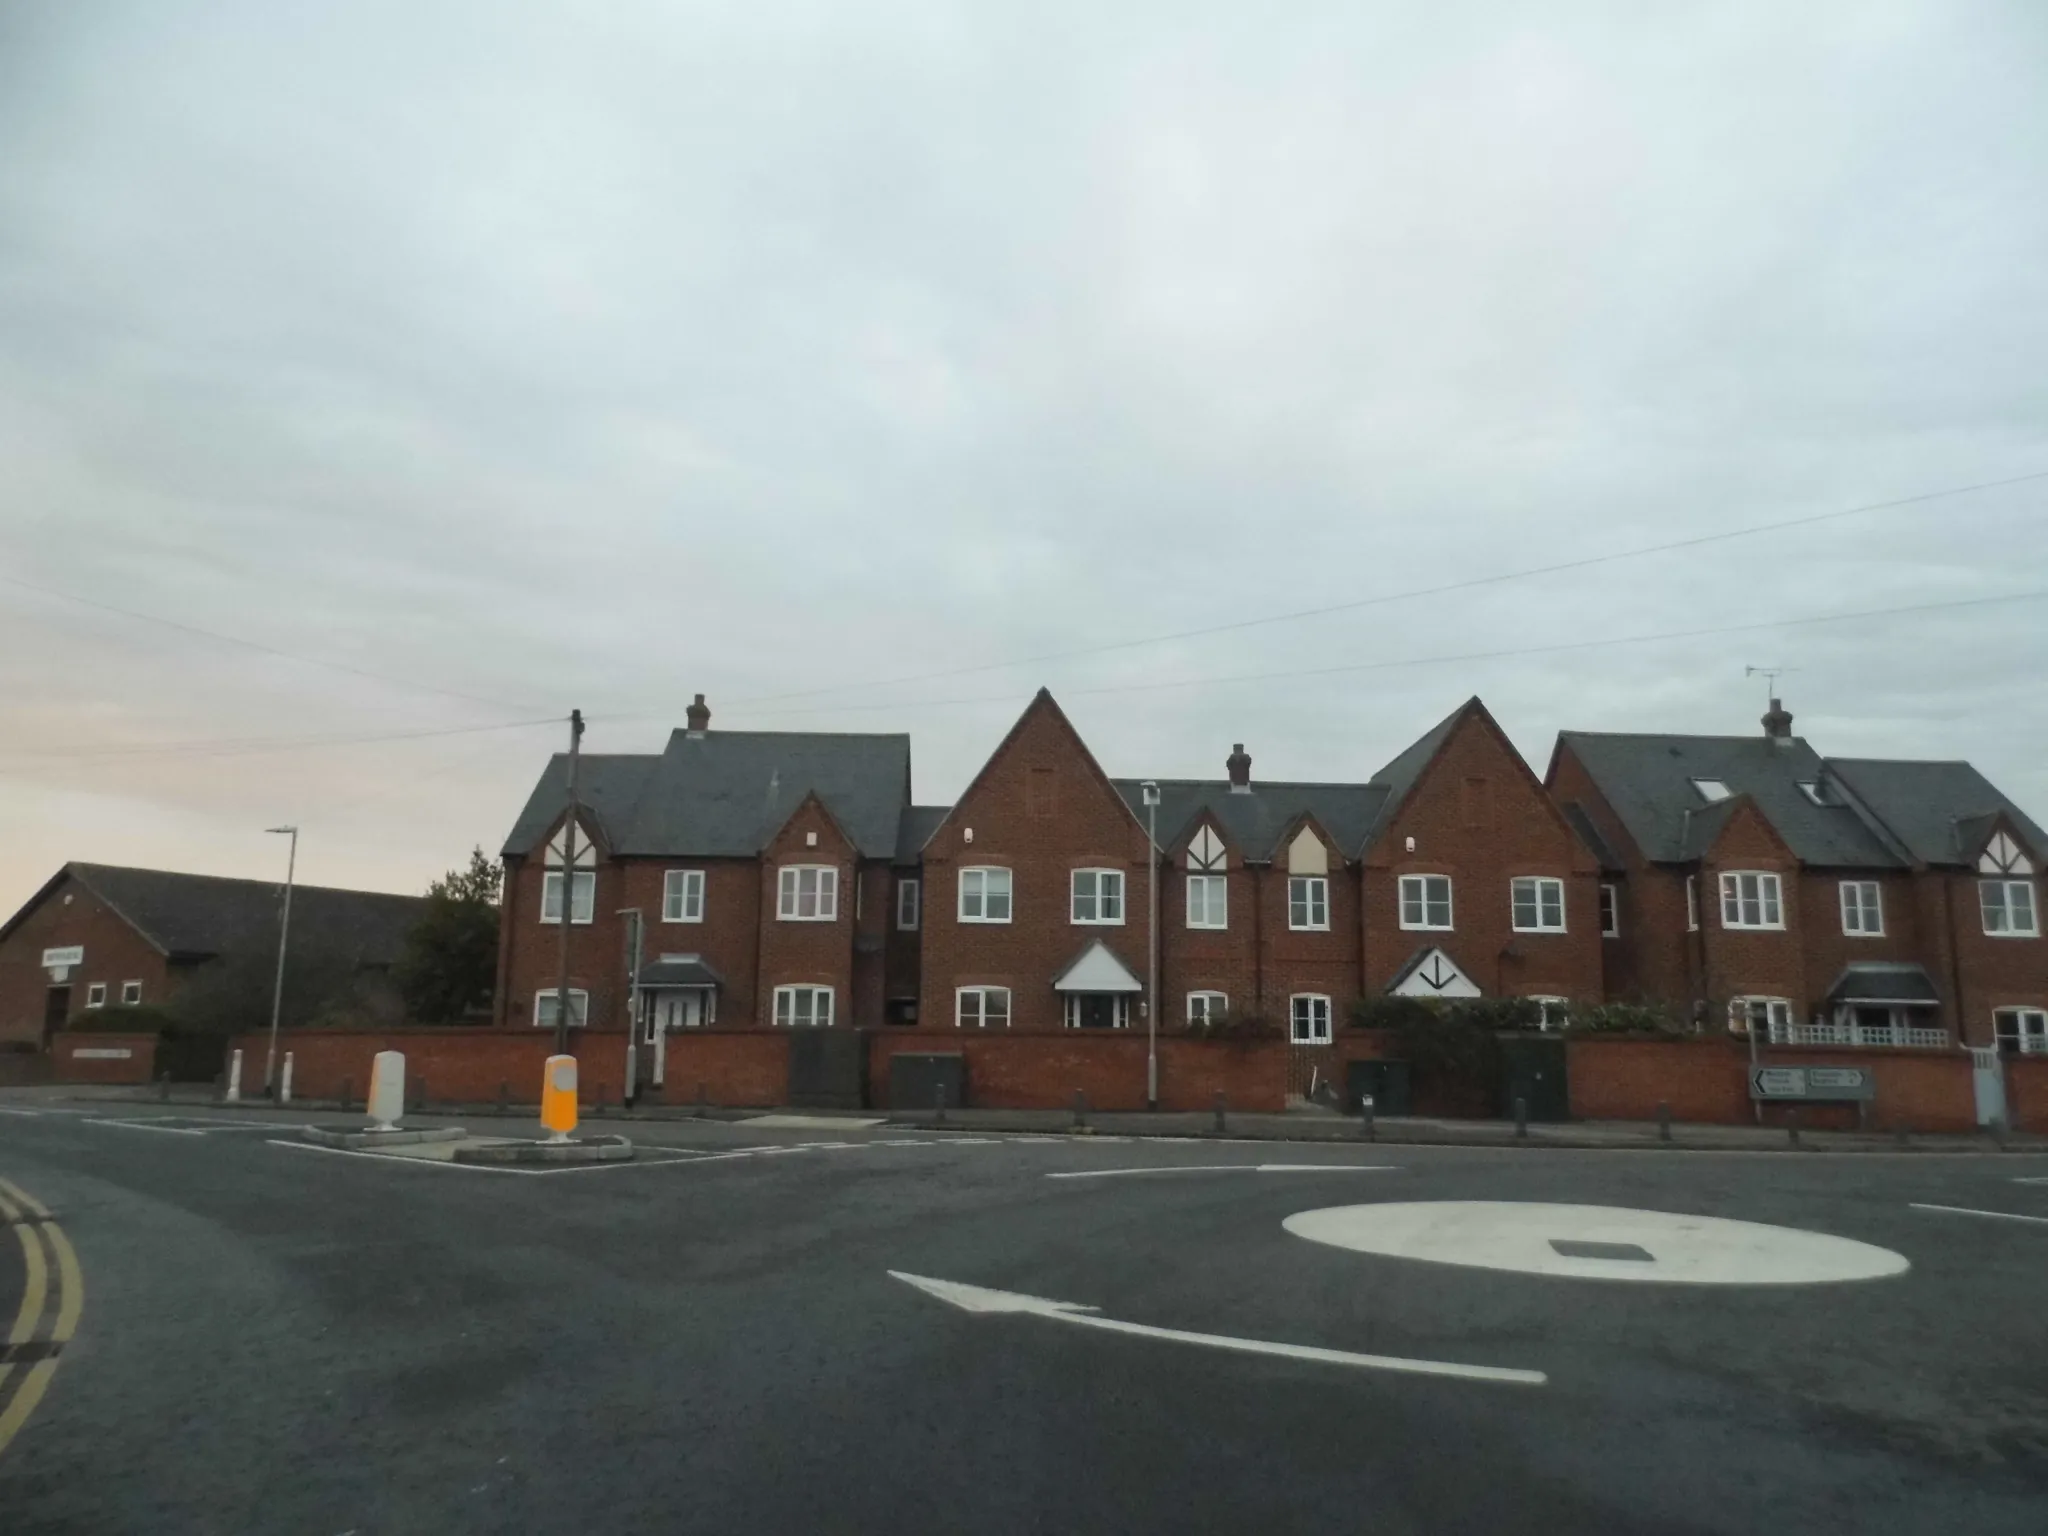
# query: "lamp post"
{"type": "Point", "coordinates": [634, 921]}
{"type": "Point", "coordinates": [1149, 792]}
{"type": "Point", "coordinates": [284, 933]}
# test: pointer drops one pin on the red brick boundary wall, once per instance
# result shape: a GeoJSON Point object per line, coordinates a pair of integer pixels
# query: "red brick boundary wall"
{"type": "Point", "coordinates": [458, 1065]}
{"type": "Point", "coordinates": [90, 1056]}
{"type": "Point", "coordinates": [2026, 1093]}
{"type": "Point", "coordinates": [738, 1068]}
{"type": "Point", "coordinates": [1043, 1071]}
{"type": "Point", "coordinates": [1707, 1082]}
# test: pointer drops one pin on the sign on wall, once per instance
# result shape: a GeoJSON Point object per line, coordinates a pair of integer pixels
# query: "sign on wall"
{"type": "Point", "coordinates": [101, 1053]}
{"type": "Point", "coordinates": [1813, 1084]}
{"type": "Point", "coordinates": [70, 954]}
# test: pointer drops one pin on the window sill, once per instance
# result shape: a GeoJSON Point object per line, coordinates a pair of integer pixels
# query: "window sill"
{"type": "Point", "coordinates": [782, 918]}
{"type": "Point", "coordinates": [1095, 922]}
{"type": "Point", "coordinates": [1728, 927]}
{"type": "Point", "coordinates": [1429, 928]}
{"type": "Point", "coordinates": [1208, 927]}
{"type": "Point", "coordinates": [987, 922]}
{"type": "Point", "coordinates": [1308, 927]}
{"type": "Point", "coordinates": [1547, 930]}
{"type": "Point", "coordinates": [2010, 933]}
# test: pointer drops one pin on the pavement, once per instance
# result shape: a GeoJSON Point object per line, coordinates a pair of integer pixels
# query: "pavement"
{"type": "Point", "coordinates": [1310, 1124]}
{"type": "Point", "coordinates": [873, 1328]}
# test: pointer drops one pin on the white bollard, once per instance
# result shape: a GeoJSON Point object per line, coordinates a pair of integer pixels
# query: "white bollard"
{"type": "Point", "coordinates": [234, 1093]}
{"type": "Point", "coordinates": [284, 1086]}
{"type": "Point", "coordinates": [387, 1090]}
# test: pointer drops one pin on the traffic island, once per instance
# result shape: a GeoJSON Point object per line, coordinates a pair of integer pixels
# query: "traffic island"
{"type": "Point", "coordinates": [371, 1139]}
{"type": "Point", "coordinates": [581, 1149]}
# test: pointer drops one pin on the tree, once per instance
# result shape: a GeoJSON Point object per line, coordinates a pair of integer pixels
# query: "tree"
{"type": "Point", "coordinates": [450, 961]}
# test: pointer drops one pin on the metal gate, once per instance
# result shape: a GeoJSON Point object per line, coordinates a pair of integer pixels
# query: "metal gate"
{"type": "Point", "coordinates": [1533, 1070]}
{"type": "Point", "coordinates": [1987, 1078]}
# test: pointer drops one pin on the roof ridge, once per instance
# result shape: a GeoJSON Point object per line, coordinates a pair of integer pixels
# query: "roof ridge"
{"type": "Point", "coordinates": [299, 886]}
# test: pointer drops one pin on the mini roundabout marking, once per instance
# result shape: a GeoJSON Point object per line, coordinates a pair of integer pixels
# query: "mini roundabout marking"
{"type": "Point", "coordinates": [1596, 1242]}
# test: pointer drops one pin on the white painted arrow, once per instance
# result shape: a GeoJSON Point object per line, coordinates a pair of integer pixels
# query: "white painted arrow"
{"type": "Point", "coordinates": [981, 1300]}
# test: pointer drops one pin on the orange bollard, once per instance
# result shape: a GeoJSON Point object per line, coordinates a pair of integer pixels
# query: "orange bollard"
{"type": "Point", "coordinates": [558, 1096]}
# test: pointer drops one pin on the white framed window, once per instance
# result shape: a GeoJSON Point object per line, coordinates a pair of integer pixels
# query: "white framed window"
{"type": "Point", "coordinates": [1097, 1010]}
{"type": "Point", "coordinates": [807, 893]}
{"type": "Point", "coordinates": [803, 1007]}
{"type": "Point", "coordinates": [1711, 790]}
{"type": "Point", "coordinates": [1207, 1007]}
{"type": "Point", "coordinates": [682, 896]}
{"type": "Point", "coordinates": [1097, 896]}
{"type": "Point", "coordinates": [1208, 901]}
{"type": "Point", "coordinates": [2008, 907]}
{"type": "Point", "coordinates": [96, 995]}
{"type": "Point", "coordinates": [1308, 1019]}
{"type": "Point", "coordinates": [1555, 1012]}
{"type": "Point", "coordinates": [1308, 901]}
{"type": "Point", "coordinates": [981, 1008]}
{"type": "Point", "coordinates": [1692, 903]}
{"type": "Point", "coordinates": [908, 893]}
{"type": "Point", "coordinates": [984, 895]}
{"type": "Point", "coordinates": [2022, 1031]}
{"type": "Point", "coordinates": [1772, 1015]}
{"type": "Point", "coordinates": [545, 1008]}
{"type": "Point", "coordinates": [1751, 899]}
{"type": "Point", "coordinates": [1610, 912]}
{"type": "Point", "coordinates": [131, 993]}
{"type": "Point", "coordinates": [551, 896]}
{"type": "Point", "coordinates": [1538, 904]}
{"type": "Point", "coordinates": [1425, 901]}
{"type": "Point", "coordinates": [1862, 909]}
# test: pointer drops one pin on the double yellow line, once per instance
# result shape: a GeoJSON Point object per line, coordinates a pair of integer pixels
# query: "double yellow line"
{"type": "Point", "coordinates": [30, 1376]}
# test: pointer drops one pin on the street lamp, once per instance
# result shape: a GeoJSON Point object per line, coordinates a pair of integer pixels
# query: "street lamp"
{"type": "Point", "coordinates": [1149, 793]}
{"type": "Point", "coordinates": [284, 933]}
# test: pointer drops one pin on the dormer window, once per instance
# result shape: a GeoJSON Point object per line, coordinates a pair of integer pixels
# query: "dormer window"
{"type": "Point", "coordinates": [1713, 791]}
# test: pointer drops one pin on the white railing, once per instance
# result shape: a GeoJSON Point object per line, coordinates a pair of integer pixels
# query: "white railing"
{"type": "Point", "coordinates": [1858, 1034]}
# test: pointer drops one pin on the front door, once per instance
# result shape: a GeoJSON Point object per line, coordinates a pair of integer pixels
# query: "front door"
{"type": "Point", "coordinates": [1987, 1080]}
{"type": "Point", "coordinates": [1098, 1010]}
{"type": "Point", "coordinates": [681, 1009]}
{"type": "Point", "coordinates": [55, 1011]}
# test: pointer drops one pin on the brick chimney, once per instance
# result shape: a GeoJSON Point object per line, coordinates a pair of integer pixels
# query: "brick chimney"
{"type": "Point", "coordinates": [1778, 722]}
{"type": "Point", "coordinates": [1240, 765]}
{"type": "Point", "coordinates": [699, 716]}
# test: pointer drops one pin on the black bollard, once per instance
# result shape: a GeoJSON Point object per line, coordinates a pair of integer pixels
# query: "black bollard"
{"type": "Point", "coordinates": [1792, 1126]}
{"type": "Point", "coordinates": [348, 1092]}
{"type": "Point", "coordinates": [1080, 1110]}
{"type": "Point", "coordinates": [504, 1097]}
{"type": "Point", "coordinates": [703, 1100]}
{"type": "Point", "coordinates": [1663, 1120]}
{"type": "Point", "coordinates": [1522, 1118]}
{"type": "Point", "coordinates": [1366, 1127]}
{"type": "Point", "coordinates": [939, 1103]}
{"type": "Point", "coordinates": [163, 1086]}
{"type": "Point", "coordinates": [1222, 1107]}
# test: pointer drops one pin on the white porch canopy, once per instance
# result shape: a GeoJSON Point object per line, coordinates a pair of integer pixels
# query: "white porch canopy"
{"type": "Point", "coordinates": [1097, 970]}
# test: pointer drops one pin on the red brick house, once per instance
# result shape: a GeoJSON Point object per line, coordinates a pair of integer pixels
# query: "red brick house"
{"type": "Point", "coordinates": [1752, 882]}
{"type": "Point", "coordinates": [98, 936]}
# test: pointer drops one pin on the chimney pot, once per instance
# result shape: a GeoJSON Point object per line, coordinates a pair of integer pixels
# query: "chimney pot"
{"type": "Point", "coordinates": [1240, 765]}
{"type": "Point", "coordinates": [699, 716]}
{"type": "Point", "coordinates": [1778, 722]}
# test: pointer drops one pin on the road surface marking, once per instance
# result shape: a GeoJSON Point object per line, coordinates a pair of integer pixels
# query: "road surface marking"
{"type": "Point", "coordinates": [812, 1122]}
{"type": "Point", "coordinates": [531, 1173]}
{"type": "Point", "coordinates": [1964, 1210]}
{"type": "Point", "coordinates": [15, 1411]}
{"type": "Point", "coordinates": [980, 1300]}
{"type": "Point", "coordinates": [1119, 1173]}
{"type": "Point", "coordinates": [2031, 1181]}
{"type": "Point", "coordinates": [1519, 1236]}
{"type": "Point", "coordinates": [144, 1125]}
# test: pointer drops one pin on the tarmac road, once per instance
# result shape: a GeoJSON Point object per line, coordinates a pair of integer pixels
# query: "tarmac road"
{"type": "Point", "coordinates": [275, 1339]}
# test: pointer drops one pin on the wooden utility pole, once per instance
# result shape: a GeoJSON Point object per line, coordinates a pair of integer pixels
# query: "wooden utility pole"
{"type": "Point", "coordinates": [568, 910]}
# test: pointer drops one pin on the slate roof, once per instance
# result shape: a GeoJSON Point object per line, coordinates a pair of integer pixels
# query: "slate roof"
{"type": "Point", "coordinates": [915, 829]}
{"type": "Point", "coordinates": [679, 972]}
{"type": "Point", "coordinates": [1648, 782]}
{"type": "Point", "coordinates": [1940, 812]}
{"type": "Point", "coordinates": [725, 793]}
{"type": "Point", "coordinates": [192, 917]}
{"type": "Point", "coordinates": [1254, 822]}
{"type": "Point", "coordinates": [1589, 834]}
{"type": "Point", "coordinates": [1399, 776]}
{"type": "Point", "coordinates": [1884, 981]}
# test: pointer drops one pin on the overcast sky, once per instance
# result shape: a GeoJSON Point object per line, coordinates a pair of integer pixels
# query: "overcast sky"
{"type": "Point", "coordinates": [601, 355]}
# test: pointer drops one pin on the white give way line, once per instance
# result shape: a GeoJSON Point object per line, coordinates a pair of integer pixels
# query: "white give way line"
{"type": "Point", "coordinates": [980, 1300]}
{"type": "Point", "coordinates": [1964, 1210]}
{"type": "Point", "coordinates": [1120, 1173]}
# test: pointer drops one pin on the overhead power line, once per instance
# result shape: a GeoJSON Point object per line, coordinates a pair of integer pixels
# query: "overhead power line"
{"type": "Point", "coordinates": [260, 647]}
{"type": "Point", "coordinates": [1510, 653]}
{"type": "Point", "coordinates": [251, 746]}
{"type": "Point", "coordinates": [1464, 584]}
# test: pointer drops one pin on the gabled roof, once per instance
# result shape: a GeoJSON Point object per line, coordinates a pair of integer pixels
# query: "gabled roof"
{"type": "Point", "coordinates": [725, 793]}
{"type": "Point", "coordinates": [1940, 812]}
{"type": "Point", "coordinates": [1648, 781]}
{"type": "Point", "coordinates": [1042, 704]}
{"type": "Point", "coordinates": [915, 828]}
{"type": "Point", "coordinates": [1399, 776]}
{"type": "Point", "coordinates": [194, 917]}
{"type": "Point", "coordinates": [1254, 823]}
{"type": "Point", "coordinates": [1096, 969]}
{"type": "Point", "coordinates": [1582, 823]}
{"type": "Point", "coordinates": [1885, 981]}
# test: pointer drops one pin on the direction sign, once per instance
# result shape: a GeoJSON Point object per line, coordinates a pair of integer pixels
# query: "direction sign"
{"type": "Point", "coordinates": [70, 954]}
{"type": "Point", "coordinates": [1813, 1084]}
